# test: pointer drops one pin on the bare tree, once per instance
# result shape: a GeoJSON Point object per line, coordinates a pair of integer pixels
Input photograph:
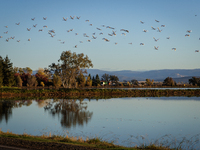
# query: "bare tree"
{"type": "Point", "coordinates": [105, 77]}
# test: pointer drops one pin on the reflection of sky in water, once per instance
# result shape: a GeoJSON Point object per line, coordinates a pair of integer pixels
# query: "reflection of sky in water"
{"type": "Point", "coordinates": [116, 119]}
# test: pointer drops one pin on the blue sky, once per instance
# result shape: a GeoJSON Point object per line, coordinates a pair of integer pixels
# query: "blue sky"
{"type": "Point", "coordinates": [42, 50]}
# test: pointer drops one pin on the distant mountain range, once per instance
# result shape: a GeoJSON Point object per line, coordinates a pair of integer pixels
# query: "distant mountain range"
{"type": "Point", "coordinates": [179, 75]}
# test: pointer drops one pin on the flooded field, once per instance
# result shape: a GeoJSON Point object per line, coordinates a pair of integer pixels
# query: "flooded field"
{"type": "Point", "coordinates": [125, 121]}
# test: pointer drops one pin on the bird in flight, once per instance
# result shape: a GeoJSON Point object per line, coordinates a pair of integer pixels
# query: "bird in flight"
{"type": "Point", "coordinates": [156, 47]}
{"type": "Point", "coordinates": [159, 29]}
{"type": "Point", "coordinates": [141, 43]}
{"type": "Point", "coordinates": [29, 29]}
{"type": "Point", "coordinates": [29, 39]}
{"type": "Point", "coordinates": [33, 18]}
{"type": "Point", "coordinates": [155, 39]}
{"type": "Point", "coordinates": [44, 26]}
{"type": "Point", "coordinates": [145, 30]}
{"type": "Point", "coordinates": [70, 30]}
{"type": "Point", "coordinates": [1, 36]}
{"type": "Point", "coordinates": [113, 32]}
{"type": "Point", "coordinates": [94, 37]}
{"type": "Point", "coordinates": [98, 29]}
{"type": "Point", "coordinates": [52, 35]}
{"type": "Point", "coordinates": [52, 31]}
{"type": "Point", "coordinates": [168, 37]}
{"type": "Point", "coordinates": [72, 17]}
{"type": "Point", "coordinates": [141, 22]}
{"type": "Point", "coordinates": [114, 28]}
{"type": "Point", "coordinates": [123, 34]}
{"type": "Point", "coordinates": [187, 35]}
{"type": "Point", "coordinates": [189, 31]}
{"type": "Point", "coordinates": [157, 21]}
{"type": "Point", "coordinates": [174, 49]}
{"type": "Point", "coordinates": [17, 23]}
{"type": "Point", "coordinates": [40, 30]}
{"type": "Point", "coordinates": [124, 30]}
{"type": "Point", "coordinates": [6, 26]}
{"type": "Point", "coordinates": [153, 28]}
{"type": "Point", "coordinates": [105, 39]}
{"type": "Point", "coordinates": [86, 20]}
{"type": "Point", "coordinates": [162, 25]}
{"type": "Point", "coordinates": [196, 50]}
{"type": "Point", "coordinates": [85, 35]}
{"type": "Point", "coordinates": [6, 32]}
{"type": "Point", "coordinates": [35, 25]}
{"type": "Point", "coordinates": [18, 40]}
{"type": "Point", "coordinates": [78, 17]}
{"type": "Point", "coordinates": [65, 19]}
{"type": "Point", "coordinates": [44, 18]}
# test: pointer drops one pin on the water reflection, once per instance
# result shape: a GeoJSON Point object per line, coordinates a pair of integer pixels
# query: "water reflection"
{"type": "Point", "coordinates": [72, 112]}
{"type": "Point", "coordinates": [126, 121]}
{"type": "Point", "coordinates": [5, 111]}
{"type": "Point", "coordinates": [7, 106]}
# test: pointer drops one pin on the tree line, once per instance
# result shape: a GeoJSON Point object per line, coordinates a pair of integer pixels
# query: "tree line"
{"type": "Point", "coordinates": [69, 72]}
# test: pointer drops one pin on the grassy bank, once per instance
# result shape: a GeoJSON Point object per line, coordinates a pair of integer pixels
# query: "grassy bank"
{"type": "Point", "coordinates": [93, 93]}
{"type": "Point", "coordinates": [29, 141]}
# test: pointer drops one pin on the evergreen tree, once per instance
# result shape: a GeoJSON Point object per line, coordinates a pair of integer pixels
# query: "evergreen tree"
{"type": "Point", "coordinates": [8, 72]}
{"type": "Point", "coordinates": [90, 76]}
{"type": "Point", "coordinates": [93, 81]}
{"type": "Point", "coordinates": [1, 71]}
{"type": "Point", "coordinates": [98, 82]}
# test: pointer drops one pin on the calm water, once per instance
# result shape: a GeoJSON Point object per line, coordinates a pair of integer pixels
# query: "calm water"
{"type": "Point", "coordinates": [126, 121]}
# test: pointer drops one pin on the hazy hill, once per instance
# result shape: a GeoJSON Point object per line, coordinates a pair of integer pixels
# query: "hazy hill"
{"type": "Point", "coordinates": [179, 75]}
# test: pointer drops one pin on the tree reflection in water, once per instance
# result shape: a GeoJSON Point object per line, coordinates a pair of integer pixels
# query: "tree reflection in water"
{"type": "Point", "coordinates": [73, 112]}
{"type": "Point", "coordinates": [7, 106]}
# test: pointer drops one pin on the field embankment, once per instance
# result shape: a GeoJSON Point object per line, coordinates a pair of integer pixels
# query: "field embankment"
{"type": "Point", "coordinates": [9, 93]}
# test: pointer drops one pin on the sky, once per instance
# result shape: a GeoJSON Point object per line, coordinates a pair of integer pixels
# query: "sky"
{"type": "Point", "coordinates": [121, 52]}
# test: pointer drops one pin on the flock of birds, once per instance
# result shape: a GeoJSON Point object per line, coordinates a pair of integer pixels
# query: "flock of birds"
{"type": "Point", "coordinates": [112, 33]}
